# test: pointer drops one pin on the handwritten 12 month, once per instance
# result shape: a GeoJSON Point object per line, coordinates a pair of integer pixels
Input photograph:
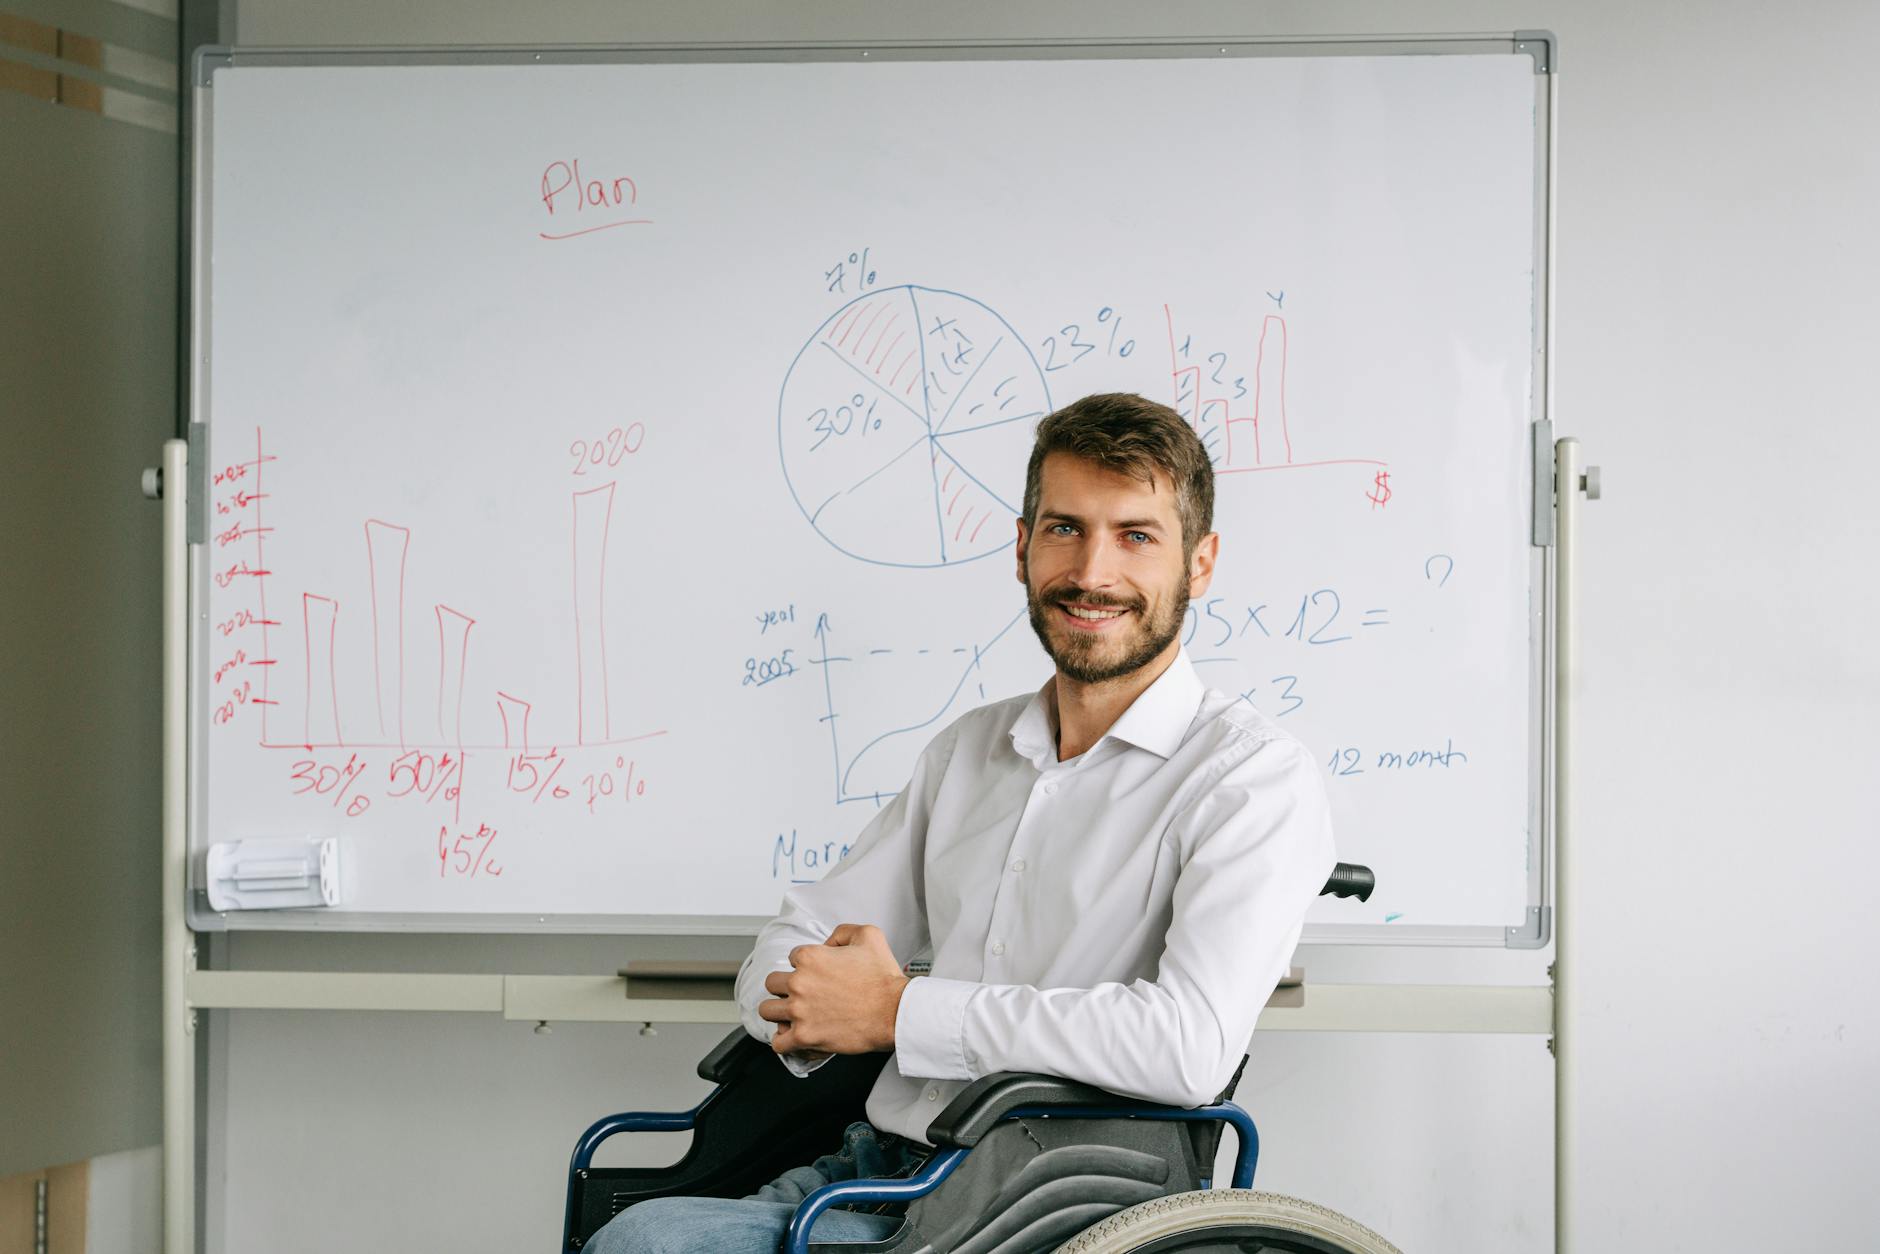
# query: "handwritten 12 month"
{"type": "Point", "coordinates": [567, 192]}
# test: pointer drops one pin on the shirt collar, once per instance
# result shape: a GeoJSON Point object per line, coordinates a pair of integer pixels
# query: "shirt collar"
{"type": "Point", "coordinates": [1157, 720]}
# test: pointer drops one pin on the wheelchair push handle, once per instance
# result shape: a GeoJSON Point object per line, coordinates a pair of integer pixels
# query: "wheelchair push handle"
{"type": "Point", "coordinates": [1350, 880]}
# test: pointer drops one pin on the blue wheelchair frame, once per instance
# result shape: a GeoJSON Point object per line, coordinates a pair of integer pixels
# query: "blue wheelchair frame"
{"type": "Point", "coordinates": [930, 1175]}
{"type": "Point", "coordinates": [989, 1101]}
{"type": "Point", "coordinates": [941, 1165]}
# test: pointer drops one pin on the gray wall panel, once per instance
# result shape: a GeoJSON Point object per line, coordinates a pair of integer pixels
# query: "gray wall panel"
{"type": "Point", "coordinates": [87, 370]}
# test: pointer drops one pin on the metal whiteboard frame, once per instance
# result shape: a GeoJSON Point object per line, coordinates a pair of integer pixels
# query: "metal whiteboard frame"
{"type": "Point", "coordinates": [1531, 931]}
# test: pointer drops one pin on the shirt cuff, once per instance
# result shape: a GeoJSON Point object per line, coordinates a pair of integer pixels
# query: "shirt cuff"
{"type": "Point", "coordinates": [930, 1029]}
{"type": "Point", "coordinates": [800, 1065]}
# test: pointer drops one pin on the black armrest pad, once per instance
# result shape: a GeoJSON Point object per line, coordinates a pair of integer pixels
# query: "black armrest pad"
{"type": "Point", "coordinates": [987, 1100]}
{"type": "Point", "coordinates": [731, 1056]}
{"type": "Point", "coordinates": [1348, 879]}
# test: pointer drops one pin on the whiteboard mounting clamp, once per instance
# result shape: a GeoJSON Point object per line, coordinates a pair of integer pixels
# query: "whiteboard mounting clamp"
{"type": "Point", "coordinates": [196, 488]}
{"type": "Point", "coordinates": [1543, 483]}
{"type": "Point", "coordinates": [273, 874]}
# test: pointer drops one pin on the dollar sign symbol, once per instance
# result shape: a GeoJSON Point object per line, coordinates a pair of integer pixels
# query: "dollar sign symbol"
{"type": "Point", "coordinates": [1383, 486]}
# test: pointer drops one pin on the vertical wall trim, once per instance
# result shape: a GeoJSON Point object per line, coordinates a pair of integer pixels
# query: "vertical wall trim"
{"type": "Point", "coordinates": [201, 23]}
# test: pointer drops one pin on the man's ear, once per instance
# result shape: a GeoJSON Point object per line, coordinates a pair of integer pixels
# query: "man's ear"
{"type": "Point", "coordinates": [1019, 550]}
{"type": "Point", "coordinates": [1201, 565]}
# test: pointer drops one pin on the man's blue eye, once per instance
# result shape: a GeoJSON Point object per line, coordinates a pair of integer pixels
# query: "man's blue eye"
{"type": "Point", "coordinates": [1138, 537]}
{"type": "Point", "coordinates": [1058, 529]}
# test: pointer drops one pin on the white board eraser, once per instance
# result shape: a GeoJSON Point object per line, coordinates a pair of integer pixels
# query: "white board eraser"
{"type": "Point", "coordinates": [273, 874]}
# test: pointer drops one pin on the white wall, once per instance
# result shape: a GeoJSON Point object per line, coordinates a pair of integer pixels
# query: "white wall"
{"type": "Point", "coordinates": [124, 1207]}
{"type": "Point", "coordinates": [1716, 300]}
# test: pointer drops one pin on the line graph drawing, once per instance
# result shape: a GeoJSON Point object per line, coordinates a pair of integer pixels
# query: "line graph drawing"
{"type": "Point", "coordinates": [904, 425]}
{"type": "Point", "coordinates": [923, 679]}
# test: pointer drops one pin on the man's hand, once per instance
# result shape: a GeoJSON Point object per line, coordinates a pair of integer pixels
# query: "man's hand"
{"type": "Point", "coordinates": [841, 998]}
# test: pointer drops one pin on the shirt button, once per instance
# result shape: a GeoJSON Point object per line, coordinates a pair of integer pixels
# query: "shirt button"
{"type": "Point", "coordinates": [1018, 864]}
{"type": "Point", "coordinates": [933, 1095]}
{"type": "Point", "coordinates": [1050, 788]}
{"type": "Point", "coordinates": [998, 948]}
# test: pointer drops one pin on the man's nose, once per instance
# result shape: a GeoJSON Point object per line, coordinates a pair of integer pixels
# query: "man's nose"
{"type": "Point", "coordinates": [1094, 569]}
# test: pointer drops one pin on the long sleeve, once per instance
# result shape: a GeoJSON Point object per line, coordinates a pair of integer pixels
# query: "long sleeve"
{"type": "Point", "coordinates": [1257, 850]}
{"type": "Point", "coordinates": [878, 882]}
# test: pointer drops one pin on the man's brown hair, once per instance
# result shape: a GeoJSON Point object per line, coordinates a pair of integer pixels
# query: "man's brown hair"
{"type": "Point", "coordinates": [1121, 431]}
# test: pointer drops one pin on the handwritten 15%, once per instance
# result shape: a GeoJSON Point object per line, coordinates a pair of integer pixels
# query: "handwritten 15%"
{"type": "Point", "coordinates": [536, 775]}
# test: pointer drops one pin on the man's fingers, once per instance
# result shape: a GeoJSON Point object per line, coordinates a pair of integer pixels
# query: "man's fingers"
{"type": "Point", "coordinates": [776, 1011]}
{"type": "Point", "coordinates": [778, 982]}
{"type": "Point", "coordinates": [857, 934]}
{"type": "Point", "coordinates": [802, 953]}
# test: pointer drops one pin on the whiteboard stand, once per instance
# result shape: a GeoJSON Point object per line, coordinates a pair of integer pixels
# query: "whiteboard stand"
{"type": "Point", "coordinates": [1360, 1008]}
{"type": "Point", "coordinates": [1572, 478]}
{"type": "Point", "coordinates": [1539, 1010]}
{"type": "Point", "coordinates": [179, 943]}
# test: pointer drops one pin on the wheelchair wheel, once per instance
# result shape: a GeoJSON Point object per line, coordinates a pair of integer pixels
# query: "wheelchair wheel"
{"type": "Point", "coordinates": [1239, 1221]}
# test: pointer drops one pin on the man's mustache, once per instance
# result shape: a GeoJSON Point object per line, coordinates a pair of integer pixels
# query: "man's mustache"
{"type": "Point", "coordinates": [1093, 600]}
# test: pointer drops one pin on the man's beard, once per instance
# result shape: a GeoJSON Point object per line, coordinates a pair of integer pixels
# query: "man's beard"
{"type": "Point", "coordinates": [1078, 657]}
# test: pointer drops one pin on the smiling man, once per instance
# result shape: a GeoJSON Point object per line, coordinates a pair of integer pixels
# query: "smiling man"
{"type": "Point", "coordinates": [1110, 873]}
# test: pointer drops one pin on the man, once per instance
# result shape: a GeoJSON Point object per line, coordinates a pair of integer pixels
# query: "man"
{"type": "Point", "coordinates": [1111, 874]}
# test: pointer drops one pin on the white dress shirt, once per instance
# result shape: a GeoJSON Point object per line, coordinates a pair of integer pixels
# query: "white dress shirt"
{"type": "Point", "coordinates": [1119, 918]}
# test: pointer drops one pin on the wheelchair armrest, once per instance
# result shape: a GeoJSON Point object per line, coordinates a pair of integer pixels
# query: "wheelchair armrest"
{"type": "Point", "coordinates": [1348, 879]}
{"type": "Point", "coordinates": [731, 1056]}
{"type": "Point", "coordinates": [987, 1100]}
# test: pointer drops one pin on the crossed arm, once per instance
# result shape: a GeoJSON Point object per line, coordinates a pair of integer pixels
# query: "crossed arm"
{"type": "Point", "coordinates": [1256, 849]}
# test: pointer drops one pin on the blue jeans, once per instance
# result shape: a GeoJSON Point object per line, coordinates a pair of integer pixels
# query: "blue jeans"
{"type": "Point", "coordinates": [757, 1224]}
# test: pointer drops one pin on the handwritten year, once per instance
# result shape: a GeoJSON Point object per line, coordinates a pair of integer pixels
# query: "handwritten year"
{"type": "Point", "coordinates": [766, 670]}
{"type": "Point", "coordinates": [609, 450]}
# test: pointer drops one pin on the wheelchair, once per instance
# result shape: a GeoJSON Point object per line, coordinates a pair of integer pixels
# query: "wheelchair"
{"type": "Point", "coordinates": [1021, 1162]}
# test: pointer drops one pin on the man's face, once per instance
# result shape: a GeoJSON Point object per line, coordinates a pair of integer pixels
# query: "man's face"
{"type": "Point", "coordinates": [1103, 570]}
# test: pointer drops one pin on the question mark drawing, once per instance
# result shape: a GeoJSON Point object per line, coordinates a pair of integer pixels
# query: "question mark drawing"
{"type": "Point", "coordinates": [1447, 570]}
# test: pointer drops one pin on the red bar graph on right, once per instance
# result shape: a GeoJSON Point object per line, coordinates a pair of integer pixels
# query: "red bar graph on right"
{"type": "Point", "coordinates": [1243, 421]}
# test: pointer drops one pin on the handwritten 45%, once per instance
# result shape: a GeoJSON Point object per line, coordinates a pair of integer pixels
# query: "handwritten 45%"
{"type": "Point", "coordinates": [536, 774]}
{"type": "Point", "coordinates": [455, 856]}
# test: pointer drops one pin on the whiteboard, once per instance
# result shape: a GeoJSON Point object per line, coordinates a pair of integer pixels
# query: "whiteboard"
{"type": "Point", "coordinates": [612, 464]}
